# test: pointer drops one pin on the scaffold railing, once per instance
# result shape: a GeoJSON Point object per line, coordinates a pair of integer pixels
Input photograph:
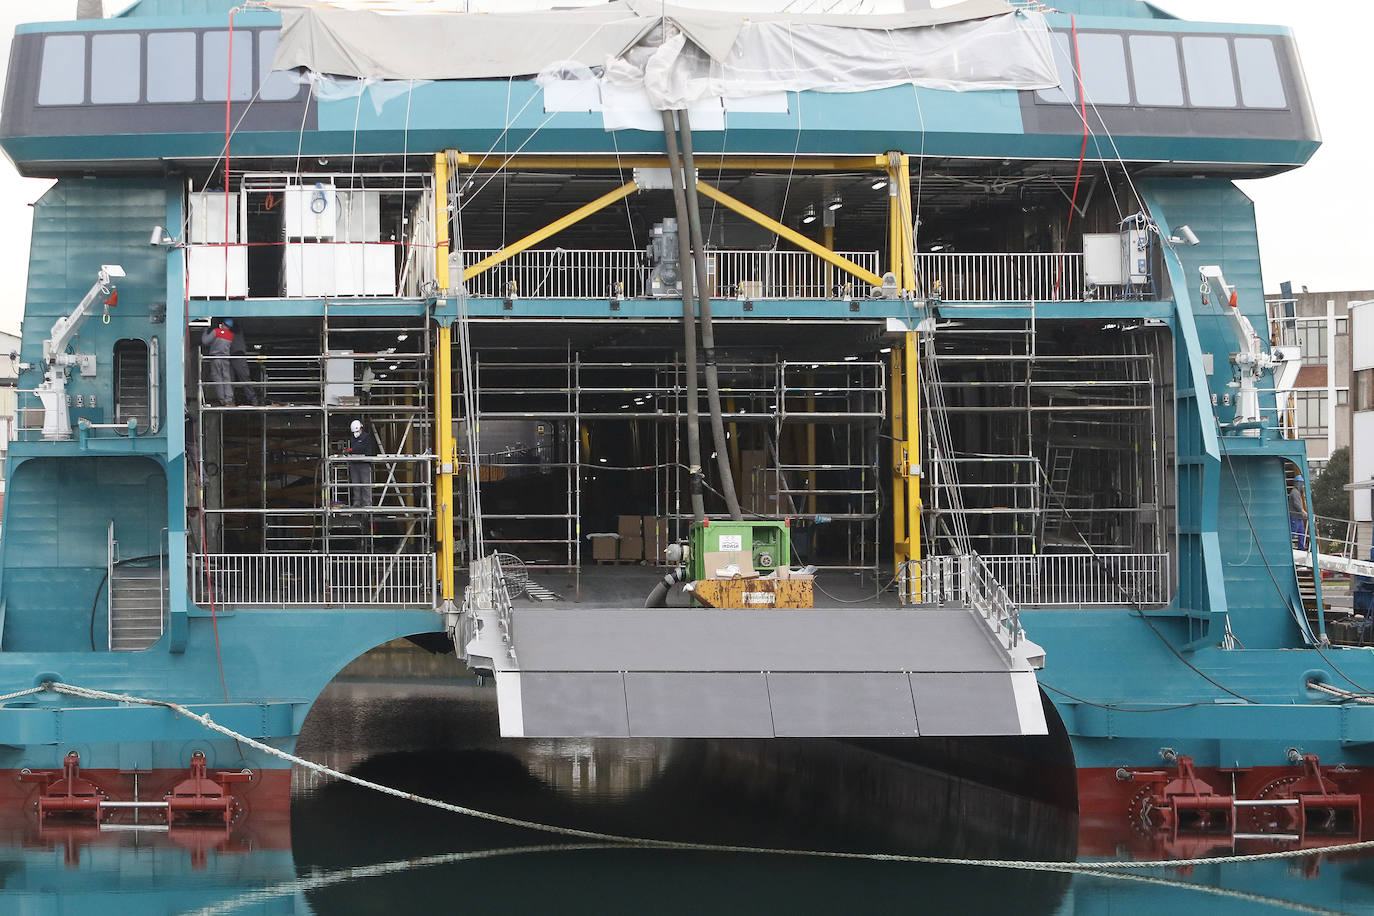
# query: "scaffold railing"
{"type": "Point", "coordinates": [1084, 579]}
{"type": "Point", "coordinates": [313, 579]}
{"type": "Point", "coordinates": [581, 273]}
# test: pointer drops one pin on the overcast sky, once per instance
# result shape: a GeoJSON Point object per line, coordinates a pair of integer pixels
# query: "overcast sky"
{"type": "Point", "coordinates": [1313, 221]}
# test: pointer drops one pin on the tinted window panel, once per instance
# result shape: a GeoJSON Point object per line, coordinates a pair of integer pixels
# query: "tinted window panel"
{"type": "Point", "coordinates": [1063, 63]}
{"type": "Point", "coordinates": [1260, 83]}
{"type": "Point", "coordinates": [62, 80]}
{"type": "Point", "coordinates": [1208, 64]}
{"type": "Point", "coordinates": [171, 66]}
{"type": "Point", "coordinates": [1103, 59]}
{"type": "Point", "coordinates": [1154, 67]}
{"type": "Point", "coordinates": [116, 68]}
{"type": "Point", "coordinates": [273, 85]}
{"type": "Point", "coordinates": [215, 66]}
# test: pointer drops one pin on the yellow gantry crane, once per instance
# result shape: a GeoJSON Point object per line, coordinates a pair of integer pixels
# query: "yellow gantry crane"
{"type": "Point", "coordinates": [906, 509]}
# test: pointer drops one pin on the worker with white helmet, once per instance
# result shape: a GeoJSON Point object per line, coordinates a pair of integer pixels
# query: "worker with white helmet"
{"type": "Point", "coordinates": [360, 445]}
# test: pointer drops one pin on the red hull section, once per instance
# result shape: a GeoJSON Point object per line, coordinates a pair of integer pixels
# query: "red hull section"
{"type": "Point", "coordinates": [234, 811]}
{"type": "Point", "coordinates": [1180, 811]}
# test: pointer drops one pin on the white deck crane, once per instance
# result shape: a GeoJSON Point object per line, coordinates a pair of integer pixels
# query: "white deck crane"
{"type": "Point", "coordinates": [1252, 359]}
{"type": "Point", "coordinates": [57, 362]}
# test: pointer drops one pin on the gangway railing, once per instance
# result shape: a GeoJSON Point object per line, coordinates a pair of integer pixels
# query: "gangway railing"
{"type": "Point", "coordinates": [314, 579]}
{"type": "Point", "coordinates": [1084, 579]}
{"type": "Point", "coordinates": [963, 579]}
{"type": "Point", "coordinates": [1338, 548]}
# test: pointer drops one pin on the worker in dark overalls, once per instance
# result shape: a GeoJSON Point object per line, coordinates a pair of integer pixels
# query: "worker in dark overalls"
{"type": "Point", "coordinates": [1297, 514]}
{"type": "Point", "coordinates": [218, 342]}
{"type": "Point", "coordinates": [360, 445]}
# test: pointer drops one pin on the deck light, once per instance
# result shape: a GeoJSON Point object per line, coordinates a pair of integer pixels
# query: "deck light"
{"type": "Point", "coordinates": [808, 215]}
{"type": "Point", "coordinates": [402, 336]}
{"type": "Point", "coordinates": [1185, 236]}
{"type": "Point", "coordinates": [879, 184]}
{"type": "Point", "coordinates": [834, 203]}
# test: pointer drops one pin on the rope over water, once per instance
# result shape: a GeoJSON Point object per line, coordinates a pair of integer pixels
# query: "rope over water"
{"type": "Point", "coordinates": [1087, 868]}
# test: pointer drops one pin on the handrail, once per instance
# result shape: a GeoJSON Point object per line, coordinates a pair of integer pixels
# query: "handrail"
{"type": "Point", "coordinates": [962, 579]}
{"type": "Point", "coordinates": [111, 545]}
{"type": "Point", "coordinates": [311, 579]}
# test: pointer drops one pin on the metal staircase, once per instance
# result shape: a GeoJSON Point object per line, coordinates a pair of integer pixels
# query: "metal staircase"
{"type": "Point", "coordinates": [136, 601]}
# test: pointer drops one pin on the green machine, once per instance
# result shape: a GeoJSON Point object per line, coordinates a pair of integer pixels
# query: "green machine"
{"type": "Point", "coordinates": [767, 543]}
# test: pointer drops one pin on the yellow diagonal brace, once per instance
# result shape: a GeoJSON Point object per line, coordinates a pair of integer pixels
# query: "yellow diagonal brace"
{"type": "Point", "coordinates": [553, 228]}
{"type": "Point", "coordinates": [796, 238]}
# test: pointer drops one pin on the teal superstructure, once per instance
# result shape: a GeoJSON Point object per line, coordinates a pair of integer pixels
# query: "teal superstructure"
{"type": "Point", "coordinates": [1175, 618]}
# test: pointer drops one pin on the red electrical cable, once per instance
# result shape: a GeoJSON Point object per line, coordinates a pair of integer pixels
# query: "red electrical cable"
{"type": "Point", "coordinates": [200, 489]}
{"type": "Point", "coordinates": [1082, 153]}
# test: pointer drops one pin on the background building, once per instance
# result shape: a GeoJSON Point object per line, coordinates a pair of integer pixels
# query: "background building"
{"type": "Point", "coordinates": [1362, 418]}
{"type": "Point", "coordinates": [1319, 323]}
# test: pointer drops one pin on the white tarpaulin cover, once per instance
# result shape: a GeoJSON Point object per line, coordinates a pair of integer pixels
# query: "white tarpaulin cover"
{"type": "Point", "coordinates": [679, 56]}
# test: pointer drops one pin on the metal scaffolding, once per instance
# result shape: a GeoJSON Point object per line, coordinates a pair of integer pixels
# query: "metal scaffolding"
{"type": "Point", "coordinates": [803, 437]}
{"type": "Point", "coordinates": [1046, 457]}
{"type": "Point", "coordinates": [286, 519]}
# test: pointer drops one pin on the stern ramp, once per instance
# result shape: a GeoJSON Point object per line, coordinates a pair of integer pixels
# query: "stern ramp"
{"type": "Point", "coordinates": [913, 670]}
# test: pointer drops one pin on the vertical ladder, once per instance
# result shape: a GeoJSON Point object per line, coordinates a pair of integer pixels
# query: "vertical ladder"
{"type": "Point", "coordinates": [1057, 491]}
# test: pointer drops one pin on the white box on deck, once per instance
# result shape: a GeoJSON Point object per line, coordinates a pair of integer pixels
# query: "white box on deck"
{"type": "Point", "coordinates": [308, 269]}
{"type": "Point", "coordinates": [205, 271]}
{"type": "Point", "coordinates": [312, 211]}
{"type": "Point", "coordinates": [1104, 258]}
{"type": "Point", "coordinates": [364, 270]}
{"type": "Point", "coordinates": [359, 216]}
{"type": "Point", "coordinates": [205, 216]}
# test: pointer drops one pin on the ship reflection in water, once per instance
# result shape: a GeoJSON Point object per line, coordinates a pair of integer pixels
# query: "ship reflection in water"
{"type": "Point", "coordinates": [350, 850]}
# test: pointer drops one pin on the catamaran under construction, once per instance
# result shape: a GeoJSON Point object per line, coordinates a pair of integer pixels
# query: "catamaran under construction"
{"type": "Point", "coordinates": [898, 377]}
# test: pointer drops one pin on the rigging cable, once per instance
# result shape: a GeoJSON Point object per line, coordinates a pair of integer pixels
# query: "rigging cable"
{"type": "Point", "coordinates": [1301, 617]}
{"type": "Point", "coordinates": [1112, 867]}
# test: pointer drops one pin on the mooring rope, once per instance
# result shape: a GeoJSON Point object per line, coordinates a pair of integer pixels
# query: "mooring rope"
{"type": "Point", "coordinates": [651, 843]}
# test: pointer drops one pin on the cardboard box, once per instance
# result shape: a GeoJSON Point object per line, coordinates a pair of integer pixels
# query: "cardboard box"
{"type": "Point", "coordinates": [716, 560]}
{"type": "Point", "coordinates": [632, 548]}
{"type": "Point", "coordinates": [604, 547]}
{"type": "Point", "coordinates": [653, 539]}
{"type": "Point", "coordinates": [630, 526]}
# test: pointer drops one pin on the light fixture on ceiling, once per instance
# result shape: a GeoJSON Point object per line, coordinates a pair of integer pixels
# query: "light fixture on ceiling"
{"type": "Point", "coordinates": [809, 215]}
{"type": "Point", "coordinates": [402, 336]}
{"type": "Point", "coordinates": [834, 203]}
{"type": "Point", "coordinates": [879, 184]}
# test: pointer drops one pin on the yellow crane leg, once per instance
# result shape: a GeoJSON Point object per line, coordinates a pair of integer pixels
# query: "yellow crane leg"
{"type": "Point", "coordinates": [443, 389]}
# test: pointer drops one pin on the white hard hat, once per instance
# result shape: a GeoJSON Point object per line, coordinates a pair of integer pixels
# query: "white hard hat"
{"type": "Point", "coordinates": [356, 427]}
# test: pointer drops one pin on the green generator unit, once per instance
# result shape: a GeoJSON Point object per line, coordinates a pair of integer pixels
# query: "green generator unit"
{"type": "Point", "coordinates": [767, 543]}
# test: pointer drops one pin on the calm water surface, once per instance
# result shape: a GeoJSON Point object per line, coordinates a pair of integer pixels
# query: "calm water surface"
{"type": "Point", "coordinates": [349, 850]}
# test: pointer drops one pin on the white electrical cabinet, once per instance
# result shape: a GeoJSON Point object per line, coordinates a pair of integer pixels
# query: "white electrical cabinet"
{"type": "Point", "coordinates": [1137, 242]}
{"type": "Point", "coordinates": [312, 211]}
{"type": "Point", "coordinates": [205, 217]}
{"type": "Point", "coordinates": [1116, 258]}
{"type": "Point", "coordinates": [206, 267]}
{"type": "Point", "coordinates": [338, 376]}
